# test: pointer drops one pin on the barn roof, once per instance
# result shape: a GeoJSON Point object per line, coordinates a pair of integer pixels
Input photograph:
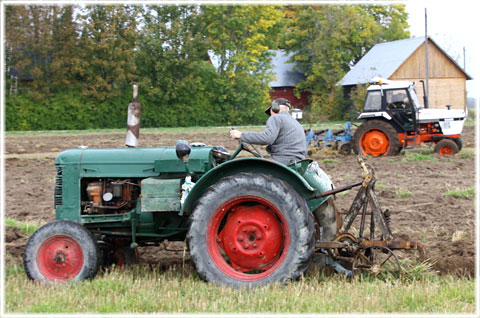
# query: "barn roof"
{"type": "Point", "coordinates": [385, 58]}
{"type": "Point", "coordinates": [285, 73]}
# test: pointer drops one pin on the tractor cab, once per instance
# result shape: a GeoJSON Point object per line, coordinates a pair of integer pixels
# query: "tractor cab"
{"type": "Point", "coordinates": [395, 101]}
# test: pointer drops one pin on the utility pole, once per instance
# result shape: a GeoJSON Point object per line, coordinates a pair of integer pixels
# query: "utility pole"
{"type": "Point", "coordinates": [426, 61]}
{"type": "Point", "coordinates": [465, 69]}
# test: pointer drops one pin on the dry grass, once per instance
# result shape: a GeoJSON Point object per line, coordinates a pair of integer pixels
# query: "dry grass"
{"type": "Point", "coordinates": [145, 290]}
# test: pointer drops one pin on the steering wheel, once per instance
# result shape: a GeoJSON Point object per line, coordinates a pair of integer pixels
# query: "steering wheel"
{"type": "Point", "coordinates": [248, 147]}
{"type": "Point", "coordinates": [391, 106]}
{"type": "Point", "coordinates": [243, 145]}
{"type": "Point", "coordinates": [399, 105]}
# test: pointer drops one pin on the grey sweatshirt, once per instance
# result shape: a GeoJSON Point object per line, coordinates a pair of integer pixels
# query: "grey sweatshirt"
{"type": "Point", "coordinates": [284, 136]}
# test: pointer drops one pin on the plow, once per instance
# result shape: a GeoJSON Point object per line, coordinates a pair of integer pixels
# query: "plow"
{"type": "Point", "coordinates": [338, 139]}
{"type": "Point", "coordinates": [371, 248]}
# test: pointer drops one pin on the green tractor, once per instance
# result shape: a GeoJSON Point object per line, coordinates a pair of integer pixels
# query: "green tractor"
{"type": "Point", "coordinates": [247, 221]}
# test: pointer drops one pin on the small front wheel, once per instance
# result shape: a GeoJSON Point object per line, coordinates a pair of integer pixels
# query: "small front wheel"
{"type": "Point", "coordinates": [446, 147]}
{"type": "Point", "coordinates": [61, 251]}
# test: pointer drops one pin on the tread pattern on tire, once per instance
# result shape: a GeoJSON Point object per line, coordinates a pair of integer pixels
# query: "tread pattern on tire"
{"type": "Point", "coordinates": [459, 143]}
{"type": "Point", "coordinates": [299, 253]}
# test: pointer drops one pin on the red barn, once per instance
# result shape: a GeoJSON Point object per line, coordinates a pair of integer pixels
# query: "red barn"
{"type": "Point", "coordinates": [286, 78]}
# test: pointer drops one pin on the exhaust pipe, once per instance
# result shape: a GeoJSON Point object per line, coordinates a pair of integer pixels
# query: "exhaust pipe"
{"type": "Point", "coordinates": [133, 120]}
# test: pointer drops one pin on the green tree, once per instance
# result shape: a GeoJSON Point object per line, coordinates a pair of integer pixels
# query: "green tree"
{"type": "Point", "coordinates": [106, 63]}
{"type": "Point", "coordinates": [183, 86]}
{"type": "Point", "coordinates": [393, 21]}
{"type": "Point", "coordinates": [15, 43]}
{"type": "Point", "coordinates": [65, 59]}
{"type": "Point", "coordinates": [29, 45]}
{"type": "Point", "coordinates": [241, 39]}
{"type": "Point", "coordinates": [241, 36]}
{"type": "Point", "coordinates": [173, 69]}
{"type": "Point", "coordinates": [357, 96]}
{"type": "Point", "coordinates": [327, 40]}
{"type": "Point", "coordinates": [42, 43]}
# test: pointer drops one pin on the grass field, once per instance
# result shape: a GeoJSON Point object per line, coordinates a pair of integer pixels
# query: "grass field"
{"type": "Point", "coordinates": [148, 290]}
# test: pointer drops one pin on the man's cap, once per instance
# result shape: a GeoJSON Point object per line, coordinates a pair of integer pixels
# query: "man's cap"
{"type": "Point", "coordinates": [277, 103]}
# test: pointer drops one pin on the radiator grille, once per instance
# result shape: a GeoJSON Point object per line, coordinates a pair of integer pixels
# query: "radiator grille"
{"type": "Point", "coordinates": [58, 186]}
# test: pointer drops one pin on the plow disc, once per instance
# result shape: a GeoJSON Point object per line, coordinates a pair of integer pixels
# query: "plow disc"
{"type": "Point", "coordinates": [370, 252]}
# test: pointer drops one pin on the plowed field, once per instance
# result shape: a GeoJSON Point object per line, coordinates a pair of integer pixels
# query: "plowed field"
{"type": "Point", "coordinates": [430, 197]}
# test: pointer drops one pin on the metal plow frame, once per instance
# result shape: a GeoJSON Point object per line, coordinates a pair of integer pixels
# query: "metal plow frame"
{"type": "Point", "coordinates": [375, 255]}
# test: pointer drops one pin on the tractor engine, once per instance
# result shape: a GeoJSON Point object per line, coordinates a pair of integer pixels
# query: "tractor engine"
{"type": "Point", "coordinates": [108, 196]}
{"type": "Point", "coordinates": [429, 128]}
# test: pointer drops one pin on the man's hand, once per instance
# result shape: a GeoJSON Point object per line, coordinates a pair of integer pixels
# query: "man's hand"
{"type": "Point", "coordinates": [235, 134]}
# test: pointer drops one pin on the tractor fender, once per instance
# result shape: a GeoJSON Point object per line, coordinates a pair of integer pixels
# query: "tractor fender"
{"type": "Point", "coordinates": [249, 165]}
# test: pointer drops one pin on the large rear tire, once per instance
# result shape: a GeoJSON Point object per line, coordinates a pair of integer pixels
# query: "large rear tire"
{"type": "Point", "coordinates": [249, 230]}
{"type": "Point", "coordinates": [61, 251]}
{"type": "Point", "coordinates": [376, 138]}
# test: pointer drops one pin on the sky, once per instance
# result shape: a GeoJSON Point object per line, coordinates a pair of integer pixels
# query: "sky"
{"type": "Point", "coordinates": [453, 25]}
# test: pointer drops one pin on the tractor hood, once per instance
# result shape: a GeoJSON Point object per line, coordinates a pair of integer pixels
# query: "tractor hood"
{"type": "Point", "coordinates": [135, 162]}
{"type": "Point", "coordinates": [450, 120]}
{"type": "Point", "coordinates": [434, 115]}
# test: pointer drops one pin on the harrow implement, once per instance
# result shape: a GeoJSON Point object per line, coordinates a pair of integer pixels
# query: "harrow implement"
{"type": "Point", "coordinates": [339, 139]}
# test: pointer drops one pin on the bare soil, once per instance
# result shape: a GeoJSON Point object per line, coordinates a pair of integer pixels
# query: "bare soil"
{"type": "Point", "coordinates": [415, 192]}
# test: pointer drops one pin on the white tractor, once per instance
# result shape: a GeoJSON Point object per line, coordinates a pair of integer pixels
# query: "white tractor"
{"type": "Point", "coordinates": [393, 119]}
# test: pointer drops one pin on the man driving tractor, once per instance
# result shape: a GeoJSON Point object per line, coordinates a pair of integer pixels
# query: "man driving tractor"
{"type": "Point", "coordinates": [283, 135]}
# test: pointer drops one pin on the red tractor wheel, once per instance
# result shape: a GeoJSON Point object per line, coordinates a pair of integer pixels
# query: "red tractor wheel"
{"type": "Point", "coordinates": [255, 238]}
{"type": "Point", "coordinates": [250, 230]}
{"type": "Point", "coordinates": [446, 147]}
{"type": "Point", "coordinates": [61, 251]}
{"type": "Point", "coordinates": [376, 138]}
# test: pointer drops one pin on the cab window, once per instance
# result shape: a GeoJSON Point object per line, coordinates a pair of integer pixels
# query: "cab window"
{"type": "Point", "coordinates": [373, 101]}
{"type": "Point", "coordinates": [397, 99]}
